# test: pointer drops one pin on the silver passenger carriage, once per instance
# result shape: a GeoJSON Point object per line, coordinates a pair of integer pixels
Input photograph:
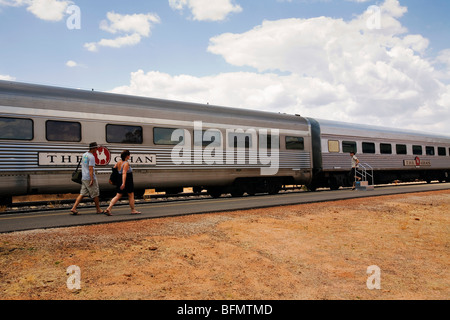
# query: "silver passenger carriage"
{"type": "Point", "coordinates": [392, 154]}
{"type": "Point", "coordinates": [44, 131]}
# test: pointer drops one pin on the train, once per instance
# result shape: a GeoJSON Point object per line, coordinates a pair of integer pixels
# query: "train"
{"type": "Point", "coordinates": [44, 130]}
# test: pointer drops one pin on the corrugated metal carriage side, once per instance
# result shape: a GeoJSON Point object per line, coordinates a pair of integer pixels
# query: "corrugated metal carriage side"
{"type": "Point", "coordinates": [44, 131]}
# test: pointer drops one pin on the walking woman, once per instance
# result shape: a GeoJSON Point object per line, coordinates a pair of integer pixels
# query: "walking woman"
{"type": "Point", "coordinates": [125, 184]}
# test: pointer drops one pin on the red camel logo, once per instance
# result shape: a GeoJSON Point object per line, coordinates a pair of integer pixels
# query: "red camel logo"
{"type": "Point", "coordinates": [102, 156]}
{"type": "Point", "coordinates": [417, 159]}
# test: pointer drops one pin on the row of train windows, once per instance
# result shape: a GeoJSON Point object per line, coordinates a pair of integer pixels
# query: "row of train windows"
{"type": "Point", "coordinates": [385, 148]}
{"type": "Point", "coordinates": [66, 131]}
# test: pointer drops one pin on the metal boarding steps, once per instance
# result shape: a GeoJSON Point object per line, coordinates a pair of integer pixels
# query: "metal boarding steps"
{"type": "Point", "coordinates": [365, 172]}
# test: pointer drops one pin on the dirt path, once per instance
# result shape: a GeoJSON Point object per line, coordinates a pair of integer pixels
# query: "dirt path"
{"type": "Point", "coordinates": [313, 251]}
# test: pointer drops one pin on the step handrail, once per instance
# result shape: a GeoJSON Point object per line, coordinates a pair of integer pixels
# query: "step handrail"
{"type": "Point", "coordinates": [364, 172]}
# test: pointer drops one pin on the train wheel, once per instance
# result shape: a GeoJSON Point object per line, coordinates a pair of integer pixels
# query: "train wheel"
{"type": "Point", "coordinates": [273, 188]}
{"type": "Point", "coordinates": [334, 185]}
{"type": "Point", "coordinates": [215, 192]}
{"type": "Point", "coordinates": [197, 189]}
{"type": "Point", "coordinates": [6, 201]}
{"type": "Point", "coordinates": [237, 193]}
{"type": "Point", "coordinates": [251, 190]}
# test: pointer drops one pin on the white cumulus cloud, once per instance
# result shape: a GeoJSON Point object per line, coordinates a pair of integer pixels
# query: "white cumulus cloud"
{"type": "Point", "coordinates": [443, 59]}
{"type": "Point", "coordinates": [71, 64]}
{"type": "Point", "coordinates": [131, 29]}
{"type": "Point", "coordinates": [49, 10]}
{"type": "Point", "coordinates": [207, 10]}
{"type": "Point", "coordinates": [7, 77]}
{"type": "Point", "coordinates": [322, 67]}
{"type": "Point", "coordinates": [132, 23]}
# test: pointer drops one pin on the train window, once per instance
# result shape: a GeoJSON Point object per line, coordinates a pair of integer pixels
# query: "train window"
{"type": "Point", "coordinates": [430, 151]}
{"type": "Point", "coordinates": [163, 136]}
{"type": "Point", "coordinates": [295, 143]}
{"type": "Point", "coordinates": [401, 149]}
{"type": "Point", "coordinates": [385, 148]}
{"type": "Point", "coordinates": [208, 137]}
{"type": "Point", "coordinates": [349, 146]}
{"type": "Point", "coordinates": [368, 147]}
{"type": "Point", "coordinates": [333, 146]}
{"type": "Point", "coordinates": [63, 131]}
{"type": "Point", "coordinates": [16, 129]}
{"type": "Point", "coordinates": [240, 140]}
{"type": "Point", "coordinates": [268, 140]}
{"type": "Point", "coordinates": [123, 134]}
{"type": "Point", "coordinates": [441, 151]}
{"type": "Point", "coordinates": [417, 150]}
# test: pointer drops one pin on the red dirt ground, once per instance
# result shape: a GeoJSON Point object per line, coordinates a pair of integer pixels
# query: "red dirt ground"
{"type": "Point", "coordinates": [311, 251]}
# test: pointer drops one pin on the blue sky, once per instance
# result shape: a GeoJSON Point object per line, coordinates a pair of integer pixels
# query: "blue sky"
{"type": "Point", "coordinates": [383, 62]}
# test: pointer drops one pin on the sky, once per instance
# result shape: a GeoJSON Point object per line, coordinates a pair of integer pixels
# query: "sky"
{"type": "Point", "coordinates": [384, 62]}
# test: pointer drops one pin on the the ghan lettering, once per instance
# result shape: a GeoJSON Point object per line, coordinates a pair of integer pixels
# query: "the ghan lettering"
{"type": "Point", "coordinates": [58, 159]}
{"type": "Point", "coordinates": [51, 157]}
{"type": "Point", "coordinates": [416, 163]}
{"type": "Point", "coordinates": [136, 159]}
{"type": "Point", "coordinates": [66, 159]}
{"type": "Point", "coordinates": [72, 159]}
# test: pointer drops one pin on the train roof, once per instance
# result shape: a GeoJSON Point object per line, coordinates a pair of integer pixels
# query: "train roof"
{"type": "Point", "coordinates": [364, 130]}
{"type": "Point", "coordinates": [35, 96]}
{"type": "Point", "coordinates": [28, 95]}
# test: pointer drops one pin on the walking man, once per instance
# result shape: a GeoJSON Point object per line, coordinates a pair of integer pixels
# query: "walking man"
{"type": "Point", "coordinates": [89, 184]}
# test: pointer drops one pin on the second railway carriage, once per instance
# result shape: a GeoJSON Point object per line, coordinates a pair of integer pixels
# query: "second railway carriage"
{"type": "Point", "coordinates": [388, 154]}
{"type": "Point", "coordinates": [45, 130]}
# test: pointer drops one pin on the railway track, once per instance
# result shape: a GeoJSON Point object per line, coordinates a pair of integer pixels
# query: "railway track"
{"type": "Point", "coordinates": [163, 207]}
{"type": "Point", "coordinates": [61, 204]}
